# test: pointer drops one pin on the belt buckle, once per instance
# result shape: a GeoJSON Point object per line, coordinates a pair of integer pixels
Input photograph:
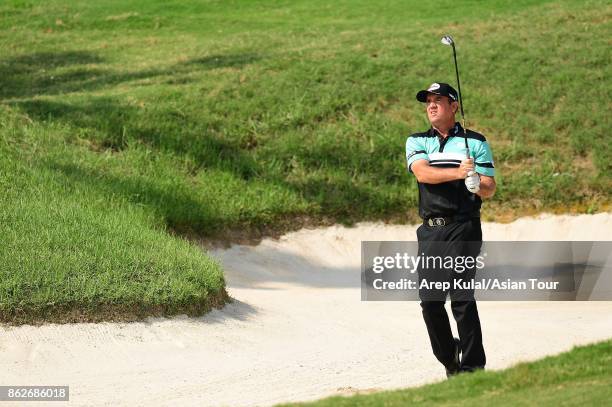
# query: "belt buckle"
{"type": "Point", "coordinates": [436, 222]}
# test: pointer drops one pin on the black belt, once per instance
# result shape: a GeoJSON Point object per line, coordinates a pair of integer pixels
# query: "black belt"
{"type": "Point", "coordinates": [445, 220]}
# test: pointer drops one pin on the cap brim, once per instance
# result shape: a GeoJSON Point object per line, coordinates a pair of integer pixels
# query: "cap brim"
{"type": "Point", "coordinates": [422, 95]}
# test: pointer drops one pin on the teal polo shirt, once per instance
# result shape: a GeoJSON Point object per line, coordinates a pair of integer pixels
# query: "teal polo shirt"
{"type": "Point", "coordinates": [449, 198]}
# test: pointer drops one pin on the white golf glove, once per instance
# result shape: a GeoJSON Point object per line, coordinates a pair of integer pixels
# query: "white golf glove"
{"type": "Point", "coordinates": [472, 182]}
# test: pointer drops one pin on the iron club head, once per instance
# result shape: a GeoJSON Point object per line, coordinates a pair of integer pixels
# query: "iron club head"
{"type": "Point", "coordinates": [447, 40]}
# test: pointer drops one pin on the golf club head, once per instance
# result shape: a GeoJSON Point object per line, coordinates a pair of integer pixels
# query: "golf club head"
{"type": "Point", "coordinates": [447, 40]}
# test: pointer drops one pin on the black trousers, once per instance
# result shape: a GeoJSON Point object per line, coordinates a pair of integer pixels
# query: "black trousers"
{"type": "Point", "coordinates": [458, 239]}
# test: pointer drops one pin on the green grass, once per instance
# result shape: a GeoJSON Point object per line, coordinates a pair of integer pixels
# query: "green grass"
{"type": "Point", "coordinates": [582, 376]}
{"type": "Point", "coordinates": [146, 122]}
{"type": "Point", "coordinates": [76, 249]}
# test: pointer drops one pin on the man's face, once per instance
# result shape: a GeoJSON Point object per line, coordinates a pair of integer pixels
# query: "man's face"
{"type": "Point", "coordinates": [440, 109]}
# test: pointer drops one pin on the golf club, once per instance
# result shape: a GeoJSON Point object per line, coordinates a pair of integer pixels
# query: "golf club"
{"type": "Point", "coordinates": [448, 40]}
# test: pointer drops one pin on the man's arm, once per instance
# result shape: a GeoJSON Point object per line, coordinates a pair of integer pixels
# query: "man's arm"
{"type": "Point", "coordinates": [428, 174]}
{"type": "Point", "coordinates": [487, 186]}
{"type": "Point", "coordinates": [485, 169]}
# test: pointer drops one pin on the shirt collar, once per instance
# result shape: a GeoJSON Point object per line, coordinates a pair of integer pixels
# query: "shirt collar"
{"type": "Point", "coordinates": [454, 131]}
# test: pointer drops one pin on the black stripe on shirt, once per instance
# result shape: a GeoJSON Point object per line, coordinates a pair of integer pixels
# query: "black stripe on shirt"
{"type": "Point", "coordinates": [441, 163]}
{"type": "Point", "coordinates": [415, 153]}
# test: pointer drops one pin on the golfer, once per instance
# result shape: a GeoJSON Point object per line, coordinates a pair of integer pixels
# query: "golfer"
{"type": "Point", "coordinates": [451, 187]}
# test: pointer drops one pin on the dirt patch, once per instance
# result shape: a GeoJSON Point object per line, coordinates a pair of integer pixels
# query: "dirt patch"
{"type": "Point", "coordinates": [80, 313]}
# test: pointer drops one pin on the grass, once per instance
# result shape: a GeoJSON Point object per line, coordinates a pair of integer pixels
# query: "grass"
{"type": "Point", "coordinates": [582, 376]}
{"type": "Point", "coordinates": [146, 122]}
{"type": "Point", "coordinates": [76, 249]}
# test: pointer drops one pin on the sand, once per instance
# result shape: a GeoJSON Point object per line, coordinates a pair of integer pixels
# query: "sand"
{"type": "Point", "coordinates": [297, 329]}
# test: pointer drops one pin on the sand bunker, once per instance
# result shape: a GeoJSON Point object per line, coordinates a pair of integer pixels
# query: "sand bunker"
{"type": "Point", "coordinates": [297, 329]}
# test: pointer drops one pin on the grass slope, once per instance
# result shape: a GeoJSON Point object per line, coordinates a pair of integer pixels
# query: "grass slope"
{"type": "Point", "coordinates": [124, 124]}
{"type": "Point", "coordinates": [582, 376]}
{"type": "Point", "coordinates": [72, 252]}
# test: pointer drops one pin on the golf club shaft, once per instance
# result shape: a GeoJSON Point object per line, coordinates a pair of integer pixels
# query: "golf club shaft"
{"type": "Point", "coordinates": [467, 149]}
{"type": "Point", "coordinates": [458, 85]}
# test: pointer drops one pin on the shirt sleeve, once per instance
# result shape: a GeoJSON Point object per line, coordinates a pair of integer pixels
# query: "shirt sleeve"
{"type": "Point", "coordinates": [483, 159]}
{"type": "Point", "coordinates": [415, 150]}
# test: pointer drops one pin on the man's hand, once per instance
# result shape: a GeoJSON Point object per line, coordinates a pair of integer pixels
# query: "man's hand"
{"type": "Point", "coordinates": [472, 182]}
{"type": "Point", "coordinates": [465, 167]}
